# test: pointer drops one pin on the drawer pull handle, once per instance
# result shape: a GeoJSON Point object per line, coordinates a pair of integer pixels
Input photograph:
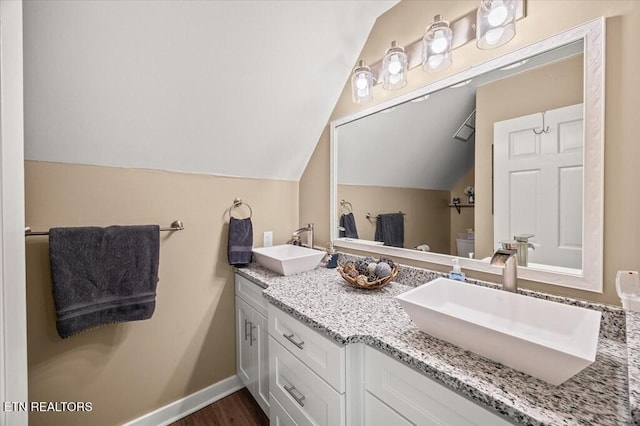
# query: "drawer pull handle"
{"type": "Point", "coordinates": [299, 399]}
{"type": "Point", "coordinates": [251, 337]}
{"type": "Point", "coordinates": [289, 337]}
{"type": "Point", "coordinates": [246, 330]}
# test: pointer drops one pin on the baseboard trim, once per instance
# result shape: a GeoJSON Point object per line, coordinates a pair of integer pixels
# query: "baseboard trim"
{"type": "Point", "coordinates": [189, 404]}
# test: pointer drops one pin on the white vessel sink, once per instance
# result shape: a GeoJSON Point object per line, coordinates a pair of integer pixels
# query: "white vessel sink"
{"type": "Point", "coordinates": [288, 259]}
{"type": "Point", "coordinates": [548, 340]}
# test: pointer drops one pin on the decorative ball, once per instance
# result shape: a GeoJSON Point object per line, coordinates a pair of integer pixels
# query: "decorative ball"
{"type": "Point", "coordinates": [353, 273]}
{"type": "Point", "coordinates": [383, 270]}
{"type": "Point", "coordinates": [372, 277]}
{"type": "Point", "coordinates": [361, 280]}
{"type": "Point", "coordinates": [362, 267]}
{"type": "Point", "coordinates": [372, 267]}
{"type": "Point", "coordinates": [387, 261]}
{"type": "Point", "coordinates": [348, 267]}
{"type": "Point", "coordinates": [368, 260]}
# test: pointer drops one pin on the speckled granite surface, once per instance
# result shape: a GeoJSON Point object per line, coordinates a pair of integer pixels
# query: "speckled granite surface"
{"type": "Point", "coordinates": [633, 356]}
{"type": "Point", "coordinates": [599, 395]}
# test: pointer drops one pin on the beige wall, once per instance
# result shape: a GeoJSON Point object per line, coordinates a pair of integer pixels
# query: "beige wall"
{"type": "Point", "coordinates": [542, 89]}
{"type": "Point", "coordinates": [426, 211]}
{"type": "Point", "coordinates": [406, 22]}
{"type": "Point", "coordinates": [130, 369]}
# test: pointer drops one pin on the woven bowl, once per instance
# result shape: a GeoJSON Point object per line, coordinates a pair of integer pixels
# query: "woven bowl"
{"type": "Point", "coordinates": [369, 285]}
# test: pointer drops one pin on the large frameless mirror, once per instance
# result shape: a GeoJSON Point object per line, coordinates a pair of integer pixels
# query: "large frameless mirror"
{"type": "Point", "coordinates": [510, 148]}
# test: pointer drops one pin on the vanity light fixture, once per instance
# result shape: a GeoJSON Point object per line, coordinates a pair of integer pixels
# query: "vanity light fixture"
{"type": "Point", "coordinates": [394, 67]}
{"type": "Point", "coordinates": [492, 25]}
{"type": "Point", "coordinates": [437, 46]}
{"type": "Point", "coordinates": [495, 23]}
{"type": "Point", "coordinates": [362, 82]}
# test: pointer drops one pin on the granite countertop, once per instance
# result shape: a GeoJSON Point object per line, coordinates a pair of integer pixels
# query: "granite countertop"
{"type": "Point", "coordinates": [605, 393]}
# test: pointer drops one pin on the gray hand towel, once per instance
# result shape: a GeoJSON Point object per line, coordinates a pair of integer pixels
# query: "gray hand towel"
{"type": "Point", "coordinates": [240, 241]}
{"type": "Point", "coordinates": [348, 222]}
{"type": "Point", "coordinates": [390, 229]}
{"type": "Point", "coordinates": [103, 275]}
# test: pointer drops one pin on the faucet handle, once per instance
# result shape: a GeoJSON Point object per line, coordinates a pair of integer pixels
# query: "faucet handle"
{"type": "Point", "coordinates": [509, 245]}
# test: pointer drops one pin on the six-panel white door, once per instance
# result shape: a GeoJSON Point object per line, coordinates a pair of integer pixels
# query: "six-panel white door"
{"type": "Point", "coordinates": [538, 184]}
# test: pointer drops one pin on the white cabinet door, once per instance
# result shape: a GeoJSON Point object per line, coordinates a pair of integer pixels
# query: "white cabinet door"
{"type": "Point", "coordinates": [244, 349]}
{"type": "Point", "coordinates": [252, 341]}
{"type": "Point", "coordinates": [261, 348]}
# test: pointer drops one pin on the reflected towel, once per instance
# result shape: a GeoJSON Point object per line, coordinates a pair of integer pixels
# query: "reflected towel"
{"type": "Point", "coordinates": [103, 275]}
{"type": "Point", "coordinates": [390, 229]}
{"type": "Point", "coordinates": [240, 241]}
{"type": "Point", "coordinates": [348, 222]}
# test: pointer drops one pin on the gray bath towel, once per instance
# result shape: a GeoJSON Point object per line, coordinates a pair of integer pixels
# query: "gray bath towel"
{"type": "Point", "coordinates": [390, 229]}
{"type": "Point", "coordinates": [240, 241]}
{"type": "Point", "coordinates": [348, 222]}
{"type": "Point", "coordinates": [103, 275]}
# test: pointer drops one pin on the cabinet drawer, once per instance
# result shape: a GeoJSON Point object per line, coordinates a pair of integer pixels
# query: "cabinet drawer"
{"type": "Point", "coordinates": [307, 398]}
{"type": "Point", "coordinates": [320, 354]}
{"type": "Point", "coordinates": [279, 416]}
{"type": "Point", "coordinates": [419, 399]}
{"type": "Point", "coordinates": [251, 293]}
{"type": "Point", "coordinates": [377, 413]}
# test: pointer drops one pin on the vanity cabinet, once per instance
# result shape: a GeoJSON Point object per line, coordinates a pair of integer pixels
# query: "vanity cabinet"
{"type": "Point", "coordinates": [307, 373]}
{"type": "Point", "coordinates": [301, 377]}
{"type": "Point", "coordinates": [252, 340]}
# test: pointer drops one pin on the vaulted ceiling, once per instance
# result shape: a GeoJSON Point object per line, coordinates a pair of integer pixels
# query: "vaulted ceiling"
{"type": "Point", "coordinates": [238, 88]}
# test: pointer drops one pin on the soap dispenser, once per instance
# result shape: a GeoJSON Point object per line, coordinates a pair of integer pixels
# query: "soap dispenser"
{"type": "Point", "coordinates": [456, 273]}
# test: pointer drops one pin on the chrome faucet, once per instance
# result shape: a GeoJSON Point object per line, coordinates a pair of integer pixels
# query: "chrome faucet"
{"type": "Point", "coordinates": [295, 238]}
{"type": "Point", "coordinates": [507, 258]}
{"type": "Point", "coordinates": [523, 247]}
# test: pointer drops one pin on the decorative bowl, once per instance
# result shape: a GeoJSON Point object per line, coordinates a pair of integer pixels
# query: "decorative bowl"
{"type": "Point", "coordinates": [368, 284]}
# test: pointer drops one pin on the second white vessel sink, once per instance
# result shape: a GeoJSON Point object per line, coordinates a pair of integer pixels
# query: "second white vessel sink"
{"type": "Point", "coordinates": [547, 340]}
{"type": "Point", "coordinates": [288, 259]}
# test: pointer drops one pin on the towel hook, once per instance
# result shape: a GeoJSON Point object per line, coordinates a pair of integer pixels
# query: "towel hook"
{"type": "Point", "coordinates": [543, 129]}
{"type": "Point", "coordinates": [236, 204]}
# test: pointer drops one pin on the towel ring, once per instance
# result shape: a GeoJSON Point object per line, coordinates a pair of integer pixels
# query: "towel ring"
{"type": "Point", "coordinates": [236, 204]}
{"type": "Point", "coordinates": [344, 205]}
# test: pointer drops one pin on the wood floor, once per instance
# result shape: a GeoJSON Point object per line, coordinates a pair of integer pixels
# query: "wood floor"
{"type": "Point", "coordinates": [239, 408]}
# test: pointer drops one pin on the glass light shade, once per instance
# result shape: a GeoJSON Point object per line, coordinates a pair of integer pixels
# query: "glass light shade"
{"type": "Point", "coordinates": [436, 46]}
{"type": "Point", "coordinates": [394, 67]}
{"type": "Point", "coordinates": [495, 23]}
{"type": "Point", "coordinates": [362, 83]}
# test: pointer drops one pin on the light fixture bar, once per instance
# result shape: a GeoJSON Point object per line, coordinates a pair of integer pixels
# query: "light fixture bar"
{"type": "Point", "coordinates": [464, 31]}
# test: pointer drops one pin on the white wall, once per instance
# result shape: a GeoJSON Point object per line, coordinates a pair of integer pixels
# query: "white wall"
{"type": "Point", "coordinates": [219, 87]}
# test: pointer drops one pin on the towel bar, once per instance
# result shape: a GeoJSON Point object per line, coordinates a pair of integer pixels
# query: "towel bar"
{"type": "Point", "coordinates": [370, 216]}
{"type": "Point", "coordinates": [176, 225]}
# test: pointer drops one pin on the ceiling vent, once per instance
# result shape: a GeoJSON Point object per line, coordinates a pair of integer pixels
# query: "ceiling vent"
{"type": "Point", "coordinates": [467, 129]}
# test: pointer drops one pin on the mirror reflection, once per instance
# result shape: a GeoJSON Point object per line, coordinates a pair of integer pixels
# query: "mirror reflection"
{"type": "Point", "coordinates": [424, 158]}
